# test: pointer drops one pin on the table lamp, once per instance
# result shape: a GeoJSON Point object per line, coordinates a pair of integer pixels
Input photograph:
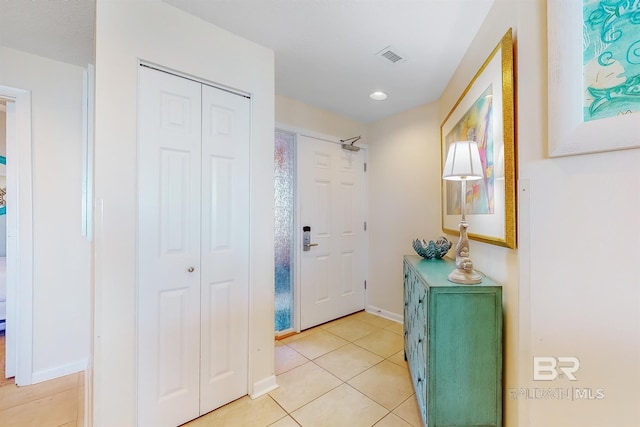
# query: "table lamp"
{"type": "Point", "coordinates": [463, 164]}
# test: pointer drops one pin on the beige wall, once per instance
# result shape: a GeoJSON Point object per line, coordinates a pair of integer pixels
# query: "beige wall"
{"type": "Point", "coordinates": [298, 115]}
{"type": "Point", "coordinates": [398, 159]}
{"type": "Point", "coordinates": [497, 262]}
{"type": "Point", "coordinates": [571, 286]}
{"type": "Point", "coordinates": [560, 287]}
{"type": "Point", "coordinates": [404, 202]}
{"type": "Point", "coordinates": [161, 34]}
{"type": "Point", "coordinates": [61, 253]}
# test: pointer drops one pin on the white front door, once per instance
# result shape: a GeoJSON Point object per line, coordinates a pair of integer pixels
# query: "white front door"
{"type": "Point", "coordinates": [192, 248]}
{"type": "Point", "coordinates": [332, 198]}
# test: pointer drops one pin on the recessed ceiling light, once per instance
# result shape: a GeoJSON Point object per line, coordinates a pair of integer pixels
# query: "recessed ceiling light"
{"type": "Point", "coordinates": [378, 96]}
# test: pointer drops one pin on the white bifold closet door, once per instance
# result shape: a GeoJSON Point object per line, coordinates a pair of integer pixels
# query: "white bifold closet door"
{"type": "Point", "coordinates": [193, 248]}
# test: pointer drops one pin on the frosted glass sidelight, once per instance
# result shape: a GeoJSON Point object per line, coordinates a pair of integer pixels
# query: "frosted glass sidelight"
{"type": "Point", "coordinates": [284, 233]}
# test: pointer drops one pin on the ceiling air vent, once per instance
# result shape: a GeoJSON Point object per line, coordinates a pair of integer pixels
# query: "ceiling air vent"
{"type": "Point", "coordinates": [390, 55]}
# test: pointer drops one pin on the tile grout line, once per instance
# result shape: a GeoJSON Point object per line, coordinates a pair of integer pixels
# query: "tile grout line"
{"type": "Point", "coordinates": [346, 382]}
{"type": "Point", "coordinates": [290, 414]}
{"type": "Point", "coordinates": [386, 327]}
{"type": "Point", "coordinates": [402, 403]}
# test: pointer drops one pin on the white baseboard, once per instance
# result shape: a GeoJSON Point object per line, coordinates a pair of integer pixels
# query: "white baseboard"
{"type": "Point", "coordinates": [60, 371]}
{"type": "Point", "coordinates": [264, 386]}
{"type": "Point", "coordinates": [384, 313]}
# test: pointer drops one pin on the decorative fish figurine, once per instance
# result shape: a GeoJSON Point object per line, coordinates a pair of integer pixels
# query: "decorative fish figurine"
{"type": "Point", "coordinates": [630, 89]}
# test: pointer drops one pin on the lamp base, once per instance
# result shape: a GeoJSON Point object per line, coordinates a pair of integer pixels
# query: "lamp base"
{"type": "Point", "coordinates": [464, 277]}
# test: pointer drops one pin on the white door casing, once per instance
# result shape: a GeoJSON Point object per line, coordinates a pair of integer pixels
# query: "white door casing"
{"type": "Point", "coordinates": [193, 248]}
{"type": "Point", "coordinates": [19, 333]}
{"type": "Point", "coordinates": [332, 200]}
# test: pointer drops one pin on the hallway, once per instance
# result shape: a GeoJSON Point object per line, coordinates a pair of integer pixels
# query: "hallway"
{"type": "Point", "coordinates": [349, 372]}
{"type": "Point", "coordinates": [54, 403]}
{"type": "Point", "coordinates": [3, 351]}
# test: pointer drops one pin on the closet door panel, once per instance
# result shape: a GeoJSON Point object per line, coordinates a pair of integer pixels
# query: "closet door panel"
{"type": "Point", "coordinates": [225, 247]}
{"type": "Point", "coordinates": [169, 175]}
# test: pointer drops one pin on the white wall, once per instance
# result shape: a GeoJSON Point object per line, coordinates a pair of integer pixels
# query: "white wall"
{"type": "Point", "coordinates": [61, 254]}
{"type": "Point", "coordinates": [3, 131]}
{"type": "Point", "coordinates": [158, 33]}
{"type": "Point", "coordinates": [579, 269]}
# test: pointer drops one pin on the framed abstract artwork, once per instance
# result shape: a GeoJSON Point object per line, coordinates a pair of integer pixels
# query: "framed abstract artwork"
{"type": "Point", "coordinates": [484, 113]}
{"type": "Point", "coordinates": [594, 76]}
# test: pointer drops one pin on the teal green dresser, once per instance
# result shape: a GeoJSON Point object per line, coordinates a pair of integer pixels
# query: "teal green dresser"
{"type": "Point", "coordinates": [453, 344]}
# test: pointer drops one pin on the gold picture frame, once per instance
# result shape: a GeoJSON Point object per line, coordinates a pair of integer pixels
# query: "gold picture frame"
{"type": "Point", "coordinates": [485, 113]}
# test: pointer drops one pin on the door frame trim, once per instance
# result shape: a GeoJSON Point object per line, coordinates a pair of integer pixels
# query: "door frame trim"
{"type": "Point", "coordinates": [19, 323]}
{"type": "Point", "coordinates": [186, 76]}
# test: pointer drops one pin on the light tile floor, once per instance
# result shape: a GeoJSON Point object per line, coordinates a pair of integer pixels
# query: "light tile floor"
{"type": "Point", "coordinates": [350, 372]}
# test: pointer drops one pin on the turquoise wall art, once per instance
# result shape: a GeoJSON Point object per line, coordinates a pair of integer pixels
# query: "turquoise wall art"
{"type": "Point", "coordinates": [611, 58]}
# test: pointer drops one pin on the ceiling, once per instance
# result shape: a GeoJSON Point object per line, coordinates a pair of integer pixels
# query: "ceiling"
{"type": "Point", "coordinates": [61, 30]}
{"type": "Point", "coordinates": [325, 50]}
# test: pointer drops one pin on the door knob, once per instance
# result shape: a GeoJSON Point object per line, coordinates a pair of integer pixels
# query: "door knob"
{"type": "Point", "coordinates": [191, 269]}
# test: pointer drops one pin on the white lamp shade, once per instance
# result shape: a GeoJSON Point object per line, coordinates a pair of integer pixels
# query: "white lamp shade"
{"type": "Point", "coordinates": [463, 162]}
